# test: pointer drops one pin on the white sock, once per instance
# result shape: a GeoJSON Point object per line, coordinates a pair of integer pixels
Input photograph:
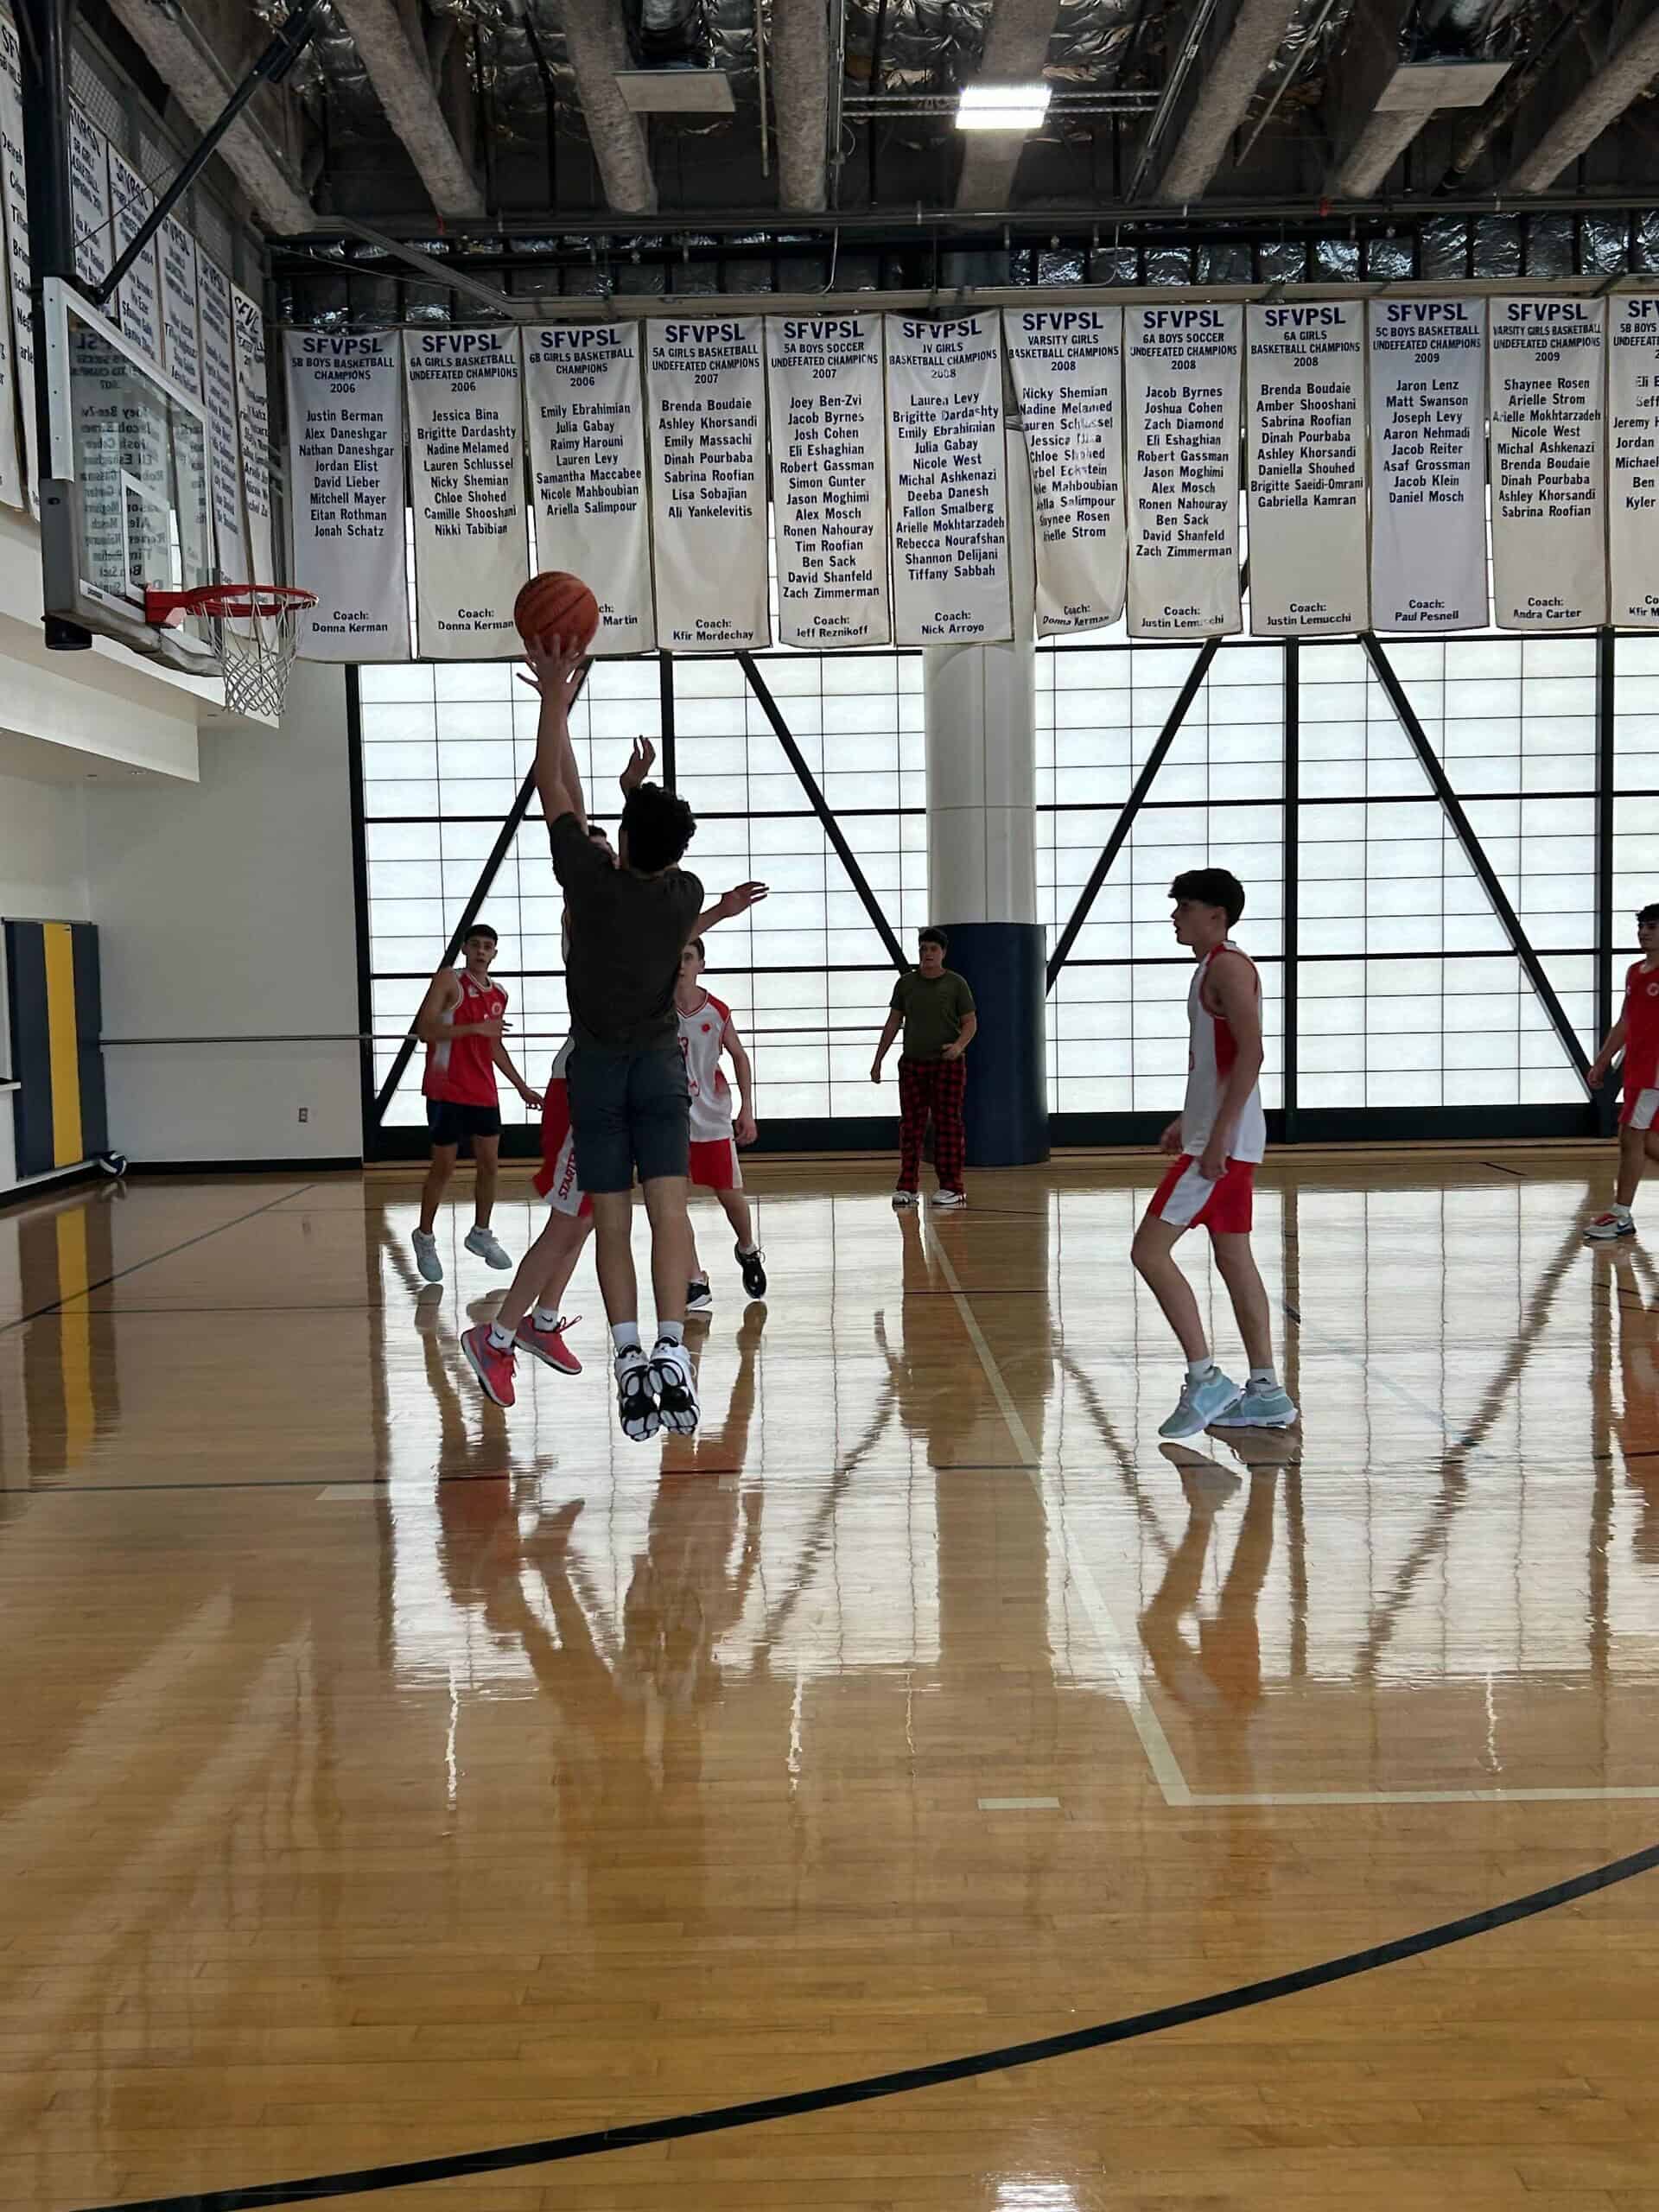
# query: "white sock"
{"type": "Point", "coordinates": [625, 1335]}
{"type": "Point", "coordinates": [545, 1316]}
{"type": "Point", "coordinates": [1197, 1368]}
{"type": "Point", "coordinates": [670, 1332]}
{"type": "Point", "coordinates": [1623, 1213]}
{"type": "Point", "coordinates": [747, 1252]}
{"type": "Point", "coordinates": [1263, 1378]}
{"type": "Point", "coordinates": [500, 1339]}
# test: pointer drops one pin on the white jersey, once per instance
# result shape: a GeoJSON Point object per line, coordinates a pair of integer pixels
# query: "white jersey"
{"type": "Point", "coordinates": [703, 1034]}
{"type": "Point", "coordinates": [1213, 1052]}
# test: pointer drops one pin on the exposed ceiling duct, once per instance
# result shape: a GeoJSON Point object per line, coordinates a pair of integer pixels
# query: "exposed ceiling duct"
{"type": "Point", "coordinates": [403, 80]}
{"type": "Point", "coordinates": [201, 86]}
{"type": "Point", "coordinates": [1257, 31]}
{"type": "Point", "coordinates": [1603, 101]}
{"type": "Point", "coordinates": [1416, 90]}
{"type": "Point", "coordinates": [598, 48]}
{"type": "Point", "coordinates": [1015, 53]}
{"type": "Point", "coordinates": [800, 93]}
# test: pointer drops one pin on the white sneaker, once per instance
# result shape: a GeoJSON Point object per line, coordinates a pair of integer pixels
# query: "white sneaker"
{"type": "Point", "coordinates": [636, 1400]}
{"type": "Point", "coordinates": [427, 1265]}
{"type": "Point", "coordinates": [676, 1386]}
{"type": "Point", "coordinates": [943, 1198]}
{"type": "Point", "coordinates": [1616, 1222]}
{"type": "Point", "coordinates": [906, 1198]}
{"type": "Point", "coordinates": [488, 1248]}
{"type": "Point", "coordinates": [1202, 1400]}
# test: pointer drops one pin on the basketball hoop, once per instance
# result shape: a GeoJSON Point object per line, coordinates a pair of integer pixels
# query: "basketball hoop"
{"type": "Point", "coordinates": [255, 659]}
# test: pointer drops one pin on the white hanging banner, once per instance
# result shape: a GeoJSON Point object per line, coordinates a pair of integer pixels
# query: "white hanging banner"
{"type": "Point", "coordinates": [1307, 481]}
{"type": "Point", "coordinates": [1546, 370]}
{"type": "Point", "coordinates": [138, 300]}
{"type": "Point", "coordinates": [1428, 465]}
{"type": "Point", "coordinates": [18, 435]}
{"type": "Point", "coordinates": [947, 471]}
{"type": "Point", "coordinates": [253, 429]}
{"type": "Point", "coordinates": [1633, 460]}
{"type": "Point", "coordinates": [585, 408]}
{"type": "Point", "coordinates": [224, 432]}
{"type": "Point", "coordinates": [180, 335]}
{"type": "Point", "coordinates": [467, 467]}
{"type": "Point", "coordinates": [709, 484]}
{"type": "Point", "coordinates": [1068, 375]}
{"type": "Point", "coordinates": [1181, 385]}
{"type": "Point", "coordinates": [89, 196]}
{"type": "Point", "coordinates": [829, 479]}
{"type": "Point", "coordinates": [345, 494]}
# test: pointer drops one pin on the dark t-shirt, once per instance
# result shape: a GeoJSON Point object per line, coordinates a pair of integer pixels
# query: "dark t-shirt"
{"type": "Point", "coordinates": [627, 933]}
{"type": "Point", "coordinates": [933, 1007]}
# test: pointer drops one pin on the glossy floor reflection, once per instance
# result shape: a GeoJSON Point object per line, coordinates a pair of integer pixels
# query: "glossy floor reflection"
{"type": "Point", "coordinates": [386, 1777]}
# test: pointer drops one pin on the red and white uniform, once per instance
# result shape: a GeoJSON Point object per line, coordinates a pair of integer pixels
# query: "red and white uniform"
{"type": "Point", "coordinates": [461, 1069]}
{"type": "Point", "coordinates": [1641, 1047]}
{"type": "Point", "coordinates": [1185, 1197]}
{"type": "Point", "coordinates": [556, 1178]}
{"type": "Point", "coordinates": [713, 1155]}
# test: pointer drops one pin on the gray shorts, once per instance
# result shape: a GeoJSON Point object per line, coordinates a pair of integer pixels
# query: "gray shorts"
{"type": "Point", "coordinates": [629, 1110]}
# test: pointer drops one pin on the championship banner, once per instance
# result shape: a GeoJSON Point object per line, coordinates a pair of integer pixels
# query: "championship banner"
{"type": "Point", "coordinates": [1428, 465]}
{"type": "Point", "coordinates": [1307, 483]}
{"type": "Point", "coordinates": [585, 407]}
{"type": "Point", "coordinates": [180, 337]}
{"type": "Point", "coordinates": [89, 196]}
{"type": "Point", "coordinates": [345, 494]}
{"type": "Point", "coordinates": [828, 480]}
{"type": "Point", "coordinates": [1181, 383]}
{"type": "Point", "coordinates": [16, 230]}
{"type": "Point", "coordinates": [466, 455]}
{"type": "Point", "coordinates": [947, 470]}
{"type": "Point", "coordinates": [1633, 460]}
{"type": "Point", "coordinates": [253, 430]}
{"type": "Point", "coordinates": [138, 301]}
{"type": "Point", "coordinates": [224, 434]}
{"type": "Point", "coordinates": [1546, 361]}
{"type": "Point", "coordinates": [1068, 376]}
{"type": "Point", "coordinates": [709, 484]}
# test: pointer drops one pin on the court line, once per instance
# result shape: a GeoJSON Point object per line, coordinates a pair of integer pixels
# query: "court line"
{"type": "Point", "coordinates": [54, 1304]}
{"type": "Point", "coordinates": [720, 2118]}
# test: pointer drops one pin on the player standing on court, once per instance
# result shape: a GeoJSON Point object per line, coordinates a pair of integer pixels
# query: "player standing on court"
{"type": "Point", "coordinates": [936, 1008]}
{"type": "Point", "coordinates": [707, 1030]}
{"type": "Point", "coordinates": [1636, 1033]}
{"type": "Point", "coordinates": [1218, 1139]}
{"type": "Point", "coordinates": [461, 1022]}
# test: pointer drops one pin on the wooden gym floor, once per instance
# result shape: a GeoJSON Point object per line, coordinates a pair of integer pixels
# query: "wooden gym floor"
{"type": "Point", "coordinates": [385, 1779]}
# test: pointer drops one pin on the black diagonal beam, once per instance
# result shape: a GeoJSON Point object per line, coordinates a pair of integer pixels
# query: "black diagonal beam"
{"type": "Point", "coordinates": [820, 807]}
{"type": "Point", "coordinates": [1475, 854]}
{"type": "Point", "coordinates": [1125, 821]}
{"type": "Point", "coordinates": [469, 914]}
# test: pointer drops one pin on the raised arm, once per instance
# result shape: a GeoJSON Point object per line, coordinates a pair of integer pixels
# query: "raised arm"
{"type": "Point", "coordinates": [556, 672]}
{"type": "Point", "coordinates": [737, 900]}
{"type": "Point", "coordinates": [1234, 984]}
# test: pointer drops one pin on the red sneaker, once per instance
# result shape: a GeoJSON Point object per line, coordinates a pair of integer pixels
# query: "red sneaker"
{"type": "Point", "coordinates": [547, 1344]}
{"type": "Point", "coordinates": [493, 1369]}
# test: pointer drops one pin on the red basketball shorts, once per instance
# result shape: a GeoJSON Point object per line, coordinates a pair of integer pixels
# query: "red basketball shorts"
{"type": "Point", "coordinates": [1640, 1108]}
{"type": "Point", "coordinates": [1186, 1200]}
{"type": "Point", "coordinates": [556, 1178]}
{"type": "Point", "coordinates": [714, 1165]}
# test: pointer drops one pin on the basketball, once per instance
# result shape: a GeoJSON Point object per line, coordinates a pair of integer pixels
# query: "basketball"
{"type": "Point", "coordinates": [554, 605]}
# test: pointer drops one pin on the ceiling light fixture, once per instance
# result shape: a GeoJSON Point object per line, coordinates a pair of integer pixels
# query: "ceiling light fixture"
{"type": "Point", "coordinates": [1002, 107]}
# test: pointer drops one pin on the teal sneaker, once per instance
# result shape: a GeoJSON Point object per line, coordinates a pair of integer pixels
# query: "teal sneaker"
{"type": "Point", "coordinates": [1261, 1407]}
{"type": "Point", "coordinates": [1201, 1402]}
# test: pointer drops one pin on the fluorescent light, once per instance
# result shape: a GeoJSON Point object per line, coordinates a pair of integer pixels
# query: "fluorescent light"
{"type": "Point", "coordinates": [1002, 107]}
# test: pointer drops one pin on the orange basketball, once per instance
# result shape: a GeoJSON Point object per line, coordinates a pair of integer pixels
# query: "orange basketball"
{"type": "Point", "coordinates": [554, 605]}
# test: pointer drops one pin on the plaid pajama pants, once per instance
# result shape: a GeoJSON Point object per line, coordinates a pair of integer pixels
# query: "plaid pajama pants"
{"type": "Point", "coordinates": [934, 1087]}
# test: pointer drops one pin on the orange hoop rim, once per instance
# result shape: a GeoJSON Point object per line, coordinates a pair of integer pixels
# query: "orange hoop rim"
{"type": "Point", "coordinates": [224, 602]}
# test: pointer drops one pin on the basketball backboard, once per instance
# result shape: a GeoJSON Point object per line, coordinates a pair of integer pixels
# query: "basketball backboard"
{"type": "Point", "coordinates": [125, 505]}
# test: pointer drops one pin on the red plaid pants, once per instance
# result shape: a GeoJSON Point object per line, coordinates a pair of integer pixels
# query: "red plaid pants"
{"type": "Point", "coordinates": [934, 1087]}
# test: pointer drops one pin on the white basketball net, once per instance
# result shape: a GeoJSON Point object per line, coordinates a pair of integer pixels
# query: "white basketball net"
{"type": "Point", "coordinates": [256, 652]}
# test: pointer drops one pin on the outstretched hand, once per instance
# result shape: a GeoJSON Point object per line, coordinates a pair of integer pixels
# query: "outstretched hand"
{"type": "Point", "coordinates": [741, 897]}
{"type": "Point", "coordinates": [638, 765]}
{"type": "Point", "coordinates": [555, 668]}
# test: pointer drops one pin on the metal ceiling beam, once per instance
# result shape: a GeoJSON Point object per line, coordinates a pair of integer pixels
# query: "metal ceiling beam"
{"type": "Point", "coordinates": [202, 86]}
{"type": "Point", "coordinates": [1257, 31]}
{"type": "Point", "coordinates": [1603, 101]}
{"type": "Point", "coordinates": [598, 48]}
{"type": "Point", "coordinates": [800, 100]}
{"type": "Point", "coordinates": [404, 85]}
{"type": "Point", "coordinates": [1015, 52]}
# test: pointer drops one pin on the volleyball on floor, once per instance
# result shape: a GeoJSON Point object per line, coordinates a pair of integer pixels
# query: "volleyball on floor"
{"type": "Point", "coordinates": [557, 605]}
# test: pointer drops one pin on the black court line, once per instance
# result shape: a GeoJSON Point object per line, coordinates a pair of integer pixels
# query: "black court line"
{"type": "Point", "coordinates": [363, 2180]}
{"type": "Point", "coordinates": [53, 1304]}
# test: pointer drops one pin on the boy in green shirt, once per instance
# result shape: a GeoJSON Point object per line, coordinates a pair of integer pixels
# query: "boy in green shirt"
{"type": "Point", "coordinates": [936, 1009]}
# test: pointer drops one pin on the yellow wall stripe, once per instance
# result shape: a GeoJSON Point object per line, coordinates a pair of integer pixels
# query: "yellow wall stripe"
{"type": "Point", "coordinates": [67, 1143]}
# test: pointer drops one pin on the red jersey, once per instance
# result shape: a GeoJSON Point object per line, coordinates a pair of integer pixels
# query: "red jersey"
{"type": "Point", "coordinates": [1641, 1030]}
{"type": "Point", "coordinates": [461, 1069]}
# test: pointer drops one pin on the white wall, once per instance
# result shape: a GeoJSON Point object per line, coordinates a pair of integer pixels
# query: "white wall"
{"type": "Point", "coordinates": [226, 909]}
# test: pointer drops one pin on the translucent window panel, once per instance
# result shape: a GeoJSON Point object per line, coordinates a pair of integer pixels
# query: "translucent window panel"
{"type": "Point", "coordinates": [1636, 713]}
{"type": "Point", "coordinates": [1463, 1032]}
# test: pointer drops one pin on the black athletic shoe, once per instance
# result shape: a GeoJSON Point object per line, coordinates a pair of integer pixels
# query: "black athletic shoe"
{"type": "Point", "coordinates": [699, 1299]}
{"type": "Point", "coordinates": [754, 1276]}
